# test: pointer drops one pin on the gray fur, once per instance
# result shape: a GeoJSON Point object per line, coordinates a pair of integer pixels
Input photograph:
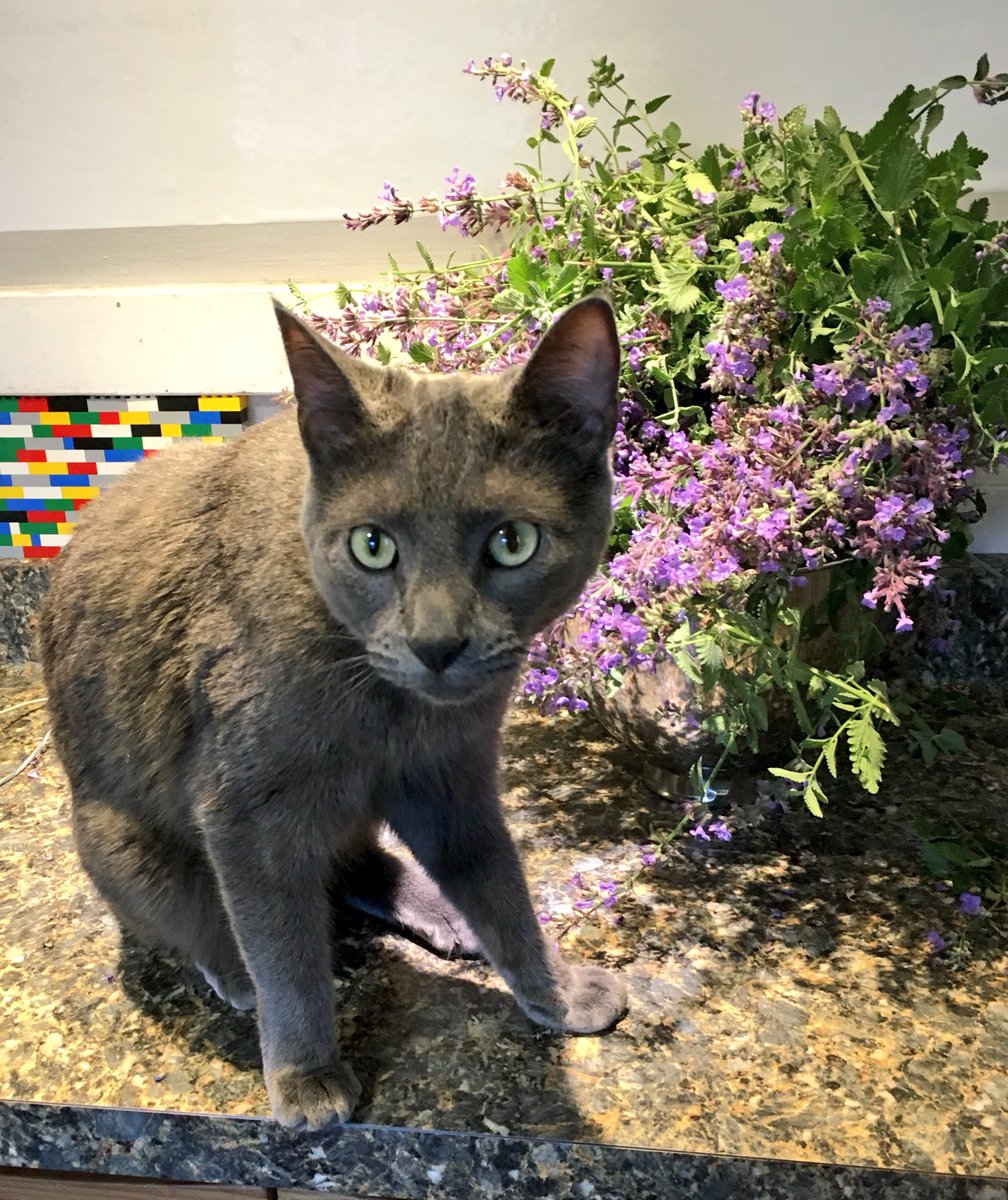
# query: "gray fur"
{"type": "Point", "coordinates": [241, 707]}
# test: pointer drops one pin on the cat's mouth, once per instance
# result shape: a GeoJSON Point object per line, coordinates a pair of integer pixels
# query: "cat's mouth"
{"type": "Point", "coordinates": [453, 686]}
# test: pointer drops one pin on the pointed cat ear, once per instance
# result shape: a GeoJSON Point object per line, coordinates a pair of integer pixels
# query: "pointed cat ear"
{"type": "Point", "coordinates": [568, 386]}
{"type": "Point", "coordinates": [329, 409]}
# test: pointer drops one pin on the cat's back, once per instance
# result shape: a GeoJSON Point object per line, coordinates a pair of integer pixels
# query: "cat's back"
{"type": "Point", "coordinates": [173, 562]}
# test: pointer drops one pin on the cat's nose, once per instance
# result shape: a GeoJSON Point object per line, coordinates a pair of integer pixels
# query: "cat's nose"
{"type": "Point", "coordinates": [437, 653]}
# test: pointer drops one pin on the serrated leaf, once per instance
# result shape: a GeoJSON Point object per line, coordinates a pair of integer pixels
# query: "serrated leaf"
{"type": "Point", "coordinates": [788, 774]}
{"type": "Point", "coordinates": [953, 82]}
{"type": "Point", "coordinates": [901, 174]}
{"type": "Point", "coordinates": [382, 353]}
{"type": "Point", "coordinates": [393, 265]}
{"type": "Point", "coordinates": [814, 798]}
{"type": "Point", "coordinates": [829, 753]}
{"type": "Point", "coordinates": [583, 126]}
{"type": "Point", "coordinates": [674, 283]}
{"type": "Point", "coordinates": [697, 181]}
{"type": "Point", "coordinates": [935, 861]}
{"type": "Point", "coordinates": [426, 256]}
{"type": "Point", "coordinates": [654, 104]}
{"type": "Point", "coordinates": [867, 751]}
{"type": "Point", "coordinates": [547, 66]}
{"type": "Point", "coordinates": [982, 67]}
{"type": "Point", "coordinates": [421, 353]}
{"type": "Point", "coordinates": [759, 203]}
{"type": "Point", "coordinates": [931, 122]}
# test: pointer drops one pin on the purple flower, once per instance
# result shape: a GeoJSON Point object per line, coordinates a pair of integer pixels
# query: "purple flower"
{"type": "Point", "coordinates": [745, 250]}
{"type": "Point", "coordinates": [936, 940]}
{"type": "Point", "coordinates": [606, 274]}
{"type": "Point", "coordinates": [699, 832]}
{"type": "Point", "coordinates": [548, 222]}
{"type": "Point", "coordinates": [624, 252]}
{"type": "Point", "coordinates": [577, 112]}
{"type": "Point", "coordinates": [968, 903]}
{"type": "Point", "coordinates": [721, 830]}
{"type": "Point", "coordinates": [584, 905]}
{"type": "Point", "coordinates": [573, 238]}
{"type": "Point", "coordinates": [774, 242]}
{"type": "Point", "coordinates": [698, 245]}
{"type": "Point", "coordinates": [704, 197]}
{"type": "Point", "coordinates": [625, 206]}
{"type": "Point", "coordinates": [648, 859]}
{"type": "Point", "coordinates": [543, 918]}
{"type": "Point", "coordinates": [732, 289]}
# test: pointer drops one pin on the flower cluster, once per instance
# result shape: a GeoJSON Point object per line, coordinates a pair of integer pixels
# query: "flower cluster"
{"type": "Point", "coordinates": [809, 379]}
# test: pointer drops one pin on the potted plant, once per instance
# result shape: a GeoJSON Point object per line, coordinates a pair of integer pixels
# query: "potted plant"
{"type": "Point", "coordinates": [816, 364]}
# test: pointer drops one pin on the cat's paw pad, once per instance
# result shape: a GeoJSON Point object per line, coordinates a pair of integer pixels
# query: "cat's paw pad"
{"type": "Point", "coordinates": [233, 987]}
{"type": "Point", "coordinates": [313, 1099]}
{"type": "Point", "coordinates": [591, 1000]}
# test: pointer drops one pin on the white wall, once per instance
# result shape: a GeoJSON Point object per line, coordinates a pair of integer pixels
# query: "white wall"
{"type": "Point", "coordinates": [179, 112]}
{"type": "Point", "coordinates": [147, 145]}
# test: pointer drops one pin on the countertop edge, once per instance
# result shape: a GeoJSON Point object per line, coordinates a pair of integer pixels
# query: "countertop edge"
{"type": "Point", "coordinates": [411, 1163]}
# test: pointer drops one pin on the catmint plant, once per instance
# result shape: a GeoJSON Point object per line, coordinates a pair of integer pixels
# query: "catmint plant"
{"type": "Point", "coordinates": [815, 334]}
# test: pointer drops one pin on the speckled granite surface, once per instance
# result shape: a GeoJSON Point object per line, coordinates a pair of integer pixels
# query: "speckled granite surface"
{"type": "Point", "coordinates": [785, 1004]}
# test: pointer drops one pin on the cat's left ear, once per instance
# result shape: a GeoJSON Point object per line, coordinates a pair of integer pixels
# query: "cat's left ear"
{"type": "Point", "coordinates": [330, 411]}
{"type": "Point", "coordinates": [569, 384]}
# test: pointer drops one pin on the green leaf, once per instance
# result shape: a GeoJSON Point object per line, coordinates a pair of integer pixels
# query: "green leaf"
{"type": "Point", "coordinates": [760, 203]}
{"type": "Point", "coordinates": [654, 104]}
{"type": "Point", "coordinates": [901, 174]}
{"type": "Point", "coordinates": [951, 741]}
{"type": "Point", "coordinates": [953, 82]}
{"type": "Point", "coordinates": [867, 751]}
{"type": "Point", "coordinates": [583, 126]}
{"type": "Point", "coordinates": [932, 121]}
{"type": "Point", "coordinates": [697, 181]}
{"type": "Point", "coordinates": [672, 134]}
{"type": "Point", "coordinates": [547, 66]}
{"type": "Point", "coordinates": [383, 353]}
{"type": "Point", "coordinates": [421, 353]}
{"type": "Point", "coordinates": [425, 254]}
{"type": "Point", "coordinates": [674, 283]}
{"type": "Point", "coordinates": [982, 67]}
{"type": "Point", "coordinates": [791, 776]}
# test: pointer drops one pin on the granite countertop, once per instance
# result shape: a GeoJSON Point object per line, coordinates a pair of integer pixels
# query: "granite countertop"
{"type": "Point", "coordinates": [786, 1007]}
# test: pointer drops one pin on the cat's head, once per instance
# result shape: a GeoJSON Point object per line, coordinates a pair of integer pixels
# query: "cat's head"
{"type": "Point", "coordinates": [449, 517]}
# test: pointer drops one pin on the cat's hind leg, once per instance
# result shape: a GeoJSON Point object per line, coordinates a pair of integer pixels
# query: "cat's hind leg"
{"type": "Point", "coordinates": [163, 891]}
{"type": "Point", "coordinates": [396, 889]}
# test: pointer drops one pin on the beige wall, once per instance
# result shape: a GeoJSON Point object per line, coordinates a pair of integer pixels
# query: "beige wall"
{"type": "Point", "coordinates": [182, 112]}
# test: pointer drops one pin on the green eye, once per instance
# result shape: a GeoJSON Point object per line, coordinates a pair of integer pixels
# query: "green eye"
{"type": "Point", "coordinates": [372, 547]}
{"type": "Point", "coordinates": [512, 544]}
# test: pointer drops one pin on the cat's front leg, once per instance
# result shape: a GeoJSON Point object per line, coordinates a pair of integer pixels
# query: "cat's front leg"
{"type": "Point", "coordinates": [275, 892]}
{"type": "Point", "coordinates": [463, 844]}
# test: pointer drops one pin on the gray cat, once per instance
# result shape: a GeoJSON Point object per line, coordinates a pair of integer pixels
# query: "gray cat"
{"type": "Point", "coordinates": [261, 654]}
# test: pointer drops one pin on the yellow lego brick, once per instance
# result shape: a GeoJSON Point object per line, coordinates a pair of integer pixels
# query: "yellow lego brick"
{"type": "Point", "coordinates": [53, 418]}
{"type": "Point", "coordinates": [212, 441]}
{"type": "Point", "coordinates": [134, 418]}
{"type": "Point", "coordinates": [221, 403]}
{"type": "Point", "coordinates": [64, 526]}
{"type": "Point", "coordinates": [171, 430]}
{"type": "Point", "coordinates": [44, 468]}
{"type": "Point", "coordinates": [20, 539]}
{"type": "Point", "coordinates": [11, 493]}
{"type": "Point", "coordinates": [78, 493]}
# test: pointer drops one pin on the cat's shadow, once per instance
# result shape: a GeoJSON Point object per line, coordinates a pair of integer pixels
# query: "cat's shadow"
{"type": "Point", "coordinates": [431, 1046]}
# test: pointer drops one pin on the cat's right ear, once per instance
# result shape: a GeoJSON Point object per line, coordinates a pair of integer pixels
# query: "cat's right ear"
{"type": "Point", "coordinates": [330, 412]}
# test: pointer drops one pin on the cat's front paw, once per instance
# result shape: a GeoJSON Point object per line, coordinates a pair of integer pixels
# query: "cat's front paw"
{"type": "Point", "coordinates": [312, 1099]}
{"type": "Point", "coordinates": [585, 1000]}
{"type": "Point", "coordinates": [591, 999]}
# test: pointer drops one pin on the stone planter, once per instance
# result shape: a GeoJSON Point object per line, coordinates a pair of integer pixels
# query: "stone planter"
{"type": "Point", "coordinates": [659, 714]}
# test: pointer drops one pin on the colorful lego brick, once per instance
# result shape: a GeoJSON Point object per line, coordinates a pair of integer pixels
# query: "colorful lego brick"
{"type": "Point", "coordinates": [58, 453]}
